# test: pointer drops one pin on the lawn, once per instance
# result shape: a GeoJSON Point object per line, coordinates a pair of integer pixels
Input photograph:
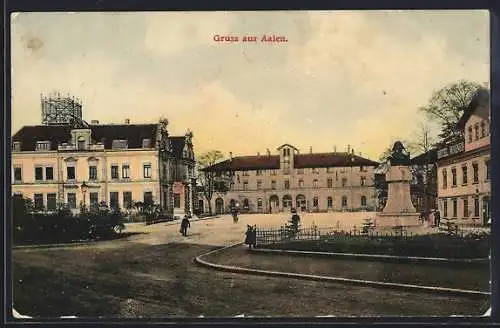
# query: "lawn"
{"type": "Point", "coordinates": [470, 276]}
{"type": "Point", "coordinates": [131, 280]}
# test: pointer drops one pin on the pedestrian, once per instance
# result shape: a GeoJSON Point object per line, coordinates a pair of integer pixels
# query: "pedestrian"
{"type": "Point", "coordinates": [185, 224]}
{"type": "Point", "coordinates": [234, 213]}
{"type": "Point", "coordinates": [437, 218]}
{"type": "Point", "coordinates": [251, 236]}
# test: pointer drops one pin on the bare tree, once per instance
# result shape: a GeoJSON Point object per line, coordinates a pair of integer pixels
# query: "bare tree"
{"type": "Point", "coordinates": [447, 105]}
{"type": "Point", "coordinates": [209, 181]}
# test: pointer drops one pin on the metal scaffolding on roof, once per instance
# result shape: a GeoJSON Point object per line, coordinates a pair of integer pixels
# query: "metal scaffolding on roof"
{"type": "Point", "coordinates": [60, 109]}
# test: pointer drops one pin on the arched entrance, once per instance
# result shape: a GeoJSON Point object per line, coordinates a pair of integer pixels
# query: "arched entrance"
{"type": "Point", "coordinates": [259, 205]}
{"type": "Point", "coordinates": [274, 203]}
{"type": "Point", "coordinates": [219, 206]}
{"type": "Point", "coordinates": [301, 202]}
{"type": "Point", "coordinates": [486, 210]}
{"type": "Point", "coordinates": [246, 205]}
{"type": "Point", "coordinates": [287, 202]}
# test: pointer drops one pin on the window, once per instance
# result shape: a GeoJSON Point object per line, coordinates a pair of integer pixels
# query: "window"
{"type": "Point", "coordinates": [475, 168]}
{"type": "Point", "coordinates": [126, 171]}
{"type": "Point", "coordinates": [454, 202]}
{"type": "Point", "coordinates": [315, 183]}
{"type": "Point", "coordinates": [300, 171]}
{"type": "Point", "coordinates": [245, 173]}
{"type": "Point", "coordinates": [363, 181]}
{"type": "Point", "coordinates": [274, 172]}
{"type": "Point", "coordinates": [94, 201]}
{"type": "Point", "coordinates": [119, 144]}
{"type": "Point", "coordinates": [147, 171]}
{"type": "Point", "coordinates": [273, 184]}
{"type": "Point", "coordinates": [114, 172]}
{"type": "Point", "coordinates": [51, 202]}
{"type": "Point", "coordinates": [363, 200]}
{"type": "Point", "coordinates": [487, 168]}
{"type": "Point", "coordinates": [329, 170]}
{"type": "Point", "coordinates": [127, 199]}
{"type": "Point", "coordinates": [301, 183]}
{"type": "Point", "coordinates": [464, 174]}
{"type": "Point", "coordinates": [113, 200]}
{"type": "Point", "coordinates": [315, 170]}
{"type": "Point", "coordinates": [476, 131]}
{"type": "Point", "coordinates": [336, 176]}
{"type": "Point", "coordinates": [259, 202]}
{"type": "Point", "coordinates": [146, 143]}
{"type": "Point", "coordinates": [38, 201]}
{"type": "Point", "coordinates": [71, 200]}
{"type": "Point", "coordinates": [16, 146]}
{"type": "Point", "coordinates": [81, 143]}
{"type": "Point", "coordinates": [445, 208]}
{"type": "Point", "coordinates": [466, 207]}
{"type": "Point", "coordinates": [258, 172]}
{"type": "Point", "coordinates": [70, 173]}
{"type": "Point", "coordinates": [39, 173]}
{"type": "Point", "coordinates": [363, 168]}
{"type": "Point", "coordinates": [470, 133]}
{"type": "Point", "coordinates": [329, 202]}
{"type": "Point", "coordinates": [329, 183]}
{"type": "Point", "coordinates": [483, 129]}
{"type": "Point", "coordinates": [245, 185]}
{"type": "Point", "coordinates": [259, 184]}
{"type": "Point", "coordinates": [315, 202]}
{"type": "Point", "coordinates": [344, 182]}
{"type": "Point", "coordinates": [476, 207]}
{"type": "Point", "coordinates": [43, 145]}
{"type": "Point", "coordinates": [344, 201]}
{"type": "Point", "coordinates": [177, 200]}
{"type": "Point", "coordinates": [445, 179]}
{"type": "Point", "coordinates": [92, 173]}
{"type": "Point", "coordinates": [287, 184]}
{"type": "Point", "coordinates": [453, 177]}
{"type": "Point", "coordinates": [18, 174]}
{"type": "Point", "coordinates": [49, 173]}
{"type": "Point", "coordinates": [148, 197]}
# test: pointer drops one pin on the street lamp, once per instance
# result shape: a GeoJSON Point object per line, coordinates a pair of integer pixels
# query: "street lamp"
{"type": "Point", "coordinates": [84, 187]}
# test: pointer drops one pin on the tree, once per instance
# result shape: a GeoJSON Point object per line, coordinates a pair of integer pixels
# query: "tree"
{"type": "Point", "coordinates": [447, 105]}
{"type": "Point", "coordinates": [210, 181]}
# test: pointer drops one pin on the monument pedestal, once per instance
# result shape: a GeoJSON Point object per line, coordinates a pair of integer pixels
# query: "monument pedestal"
{"type": "Point", "coordinates": [399, 209]}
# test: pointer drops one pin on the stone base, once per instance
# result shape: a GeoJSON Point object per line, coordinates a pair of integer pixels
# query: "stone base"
{"type": "Point", "coordinates": [397, 219]}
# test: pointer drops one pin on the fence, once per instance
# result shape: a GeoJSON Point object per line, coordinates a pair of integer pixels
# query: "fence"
{"type": "Point", "coordinates": [269, 235]}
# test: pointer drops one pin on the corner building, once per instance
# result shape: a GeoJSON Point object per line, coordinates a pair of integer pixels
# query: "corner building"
{"type": "Point", "coordinates": [317, 182]}
{"type": "Point", "coordinates": [119, 164]}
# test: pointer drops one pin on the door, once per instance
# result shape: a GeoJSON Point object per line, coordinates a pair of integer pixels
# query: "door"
{"type": "Point", "coordinates": [486, 210]}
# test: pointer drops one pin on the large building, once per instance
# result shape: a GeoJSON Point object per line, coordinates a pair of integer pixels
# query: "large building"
{"type": "Point", "coordinates": [309, 182]}
{"type": "Point", "coordinates": [464, 185]}
{"type": "Point", "coordinates": [117, 164]}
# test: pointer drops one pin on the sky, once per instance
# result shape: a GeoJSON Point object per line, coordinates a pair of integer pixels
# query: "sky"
{"type": "Point", "coordinates": [343, 78]}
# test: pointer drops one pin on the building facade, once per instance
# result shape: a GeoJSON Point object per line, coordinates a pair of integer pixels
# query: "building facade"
{"type": "Point", "coordinates": [464, 180]}
{"type": "Point", "coordinates": [308, 182]}
{"type": "Point", "coordinates": [118, 164]}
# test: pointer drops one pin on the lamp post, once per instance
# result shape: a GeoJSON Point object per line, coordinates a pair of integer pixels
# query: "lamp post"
{"type": "Point", "coordinates": [85, 188]}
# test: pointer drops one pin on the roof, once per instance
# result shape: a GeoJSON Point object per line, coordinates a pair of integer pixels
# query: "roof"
{"type": "Point", "coordinates": [481, 97]}
{"type": "Point", "coordinates": [58, 134]}
{"type": "Point", "coordinates": [428, 157]}
{"type": "Point", "coordinates": [315, 160]}
{"type": "Point", "coordinates": [177, 146]}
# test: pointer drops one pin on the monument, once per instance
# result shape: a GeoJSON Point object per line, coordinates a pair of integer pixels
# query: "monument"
{"type": "Point", "coordinates": [399, 209]}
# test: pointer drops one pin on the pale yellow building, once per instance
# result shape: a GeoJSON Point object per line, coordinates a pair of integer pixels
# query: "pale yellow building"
{"type": "Point", "coordinates": [117, 164]}
{"type": "Point", "coordinates": [308, 182]}
{"type": "Point", "coordinates": [464, 180]}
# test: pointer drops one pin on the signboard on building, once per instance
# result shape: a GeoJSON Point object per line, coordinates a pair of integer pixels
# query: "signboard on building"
{"type": "Point", "coordinates": [450, 150]}
{"type": "Point", "coordinates": [178, 188]}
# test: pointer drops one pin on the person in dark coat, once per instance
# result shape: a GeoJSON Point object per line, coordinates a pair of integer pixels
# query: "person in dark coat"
{"type": "Point", "coordinates": [234, 213]}
{"type": "Point", "coordinates": [185, 224]}
{"type": "Point", "coordinates": [437, 218]}
{"type": "Point", "coordinates": [251, 236]}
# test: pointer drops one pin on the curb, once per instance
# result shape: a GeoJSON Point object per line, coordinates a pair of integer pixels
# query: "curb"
{"type": "Point", "coordinates": [53, 245]}
{"type": "Point", "coordinates": [368, 283]}
{"type": "Point", "coordinates": [371, 256]}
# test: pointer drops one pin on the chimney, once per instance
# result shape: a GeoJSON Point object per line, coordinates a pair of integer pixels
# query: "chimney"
{"type": "Point", "coordinates": [310, 149]}
{"type": "Point", "coordinates": [352, 151]}
{"type": "Point", "coordinates": [268, 152]}
{"type": "Point", "coordinates": [94, 122]}
{"type": "Point", "coordinates": [127, 121]}
{"type": "Point", "coordinates": [334, 149]}
{"type": "Point", "coordinates": [230, 155]}
{"type": "Point", "coordinates": [258, 154]}
{"type": "Point", "coordinates": [348, 148]}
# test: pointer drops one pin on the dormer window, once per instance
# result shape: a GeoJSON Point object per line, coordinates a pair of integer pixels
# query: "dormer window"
{"type": "Point", "coordinates": [119, 144]}
{"type": "Point", "coordinates": [16, 146]}
{"type": "Point", "coordinates": [81, 143]}
{"type": "Point", "coordinates": [43, 145]}
{"type": "Point", "coordinates": [470, 133]}
{"type": "Point", "coordinates": [146, 143]}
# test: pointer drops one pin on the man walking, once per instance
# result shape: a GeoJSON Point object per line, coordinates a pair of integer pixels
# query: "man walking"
{"type": "Point", "coordinates": [185, 224]}
{"type": "Point", "coordinates": [437, 218]}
